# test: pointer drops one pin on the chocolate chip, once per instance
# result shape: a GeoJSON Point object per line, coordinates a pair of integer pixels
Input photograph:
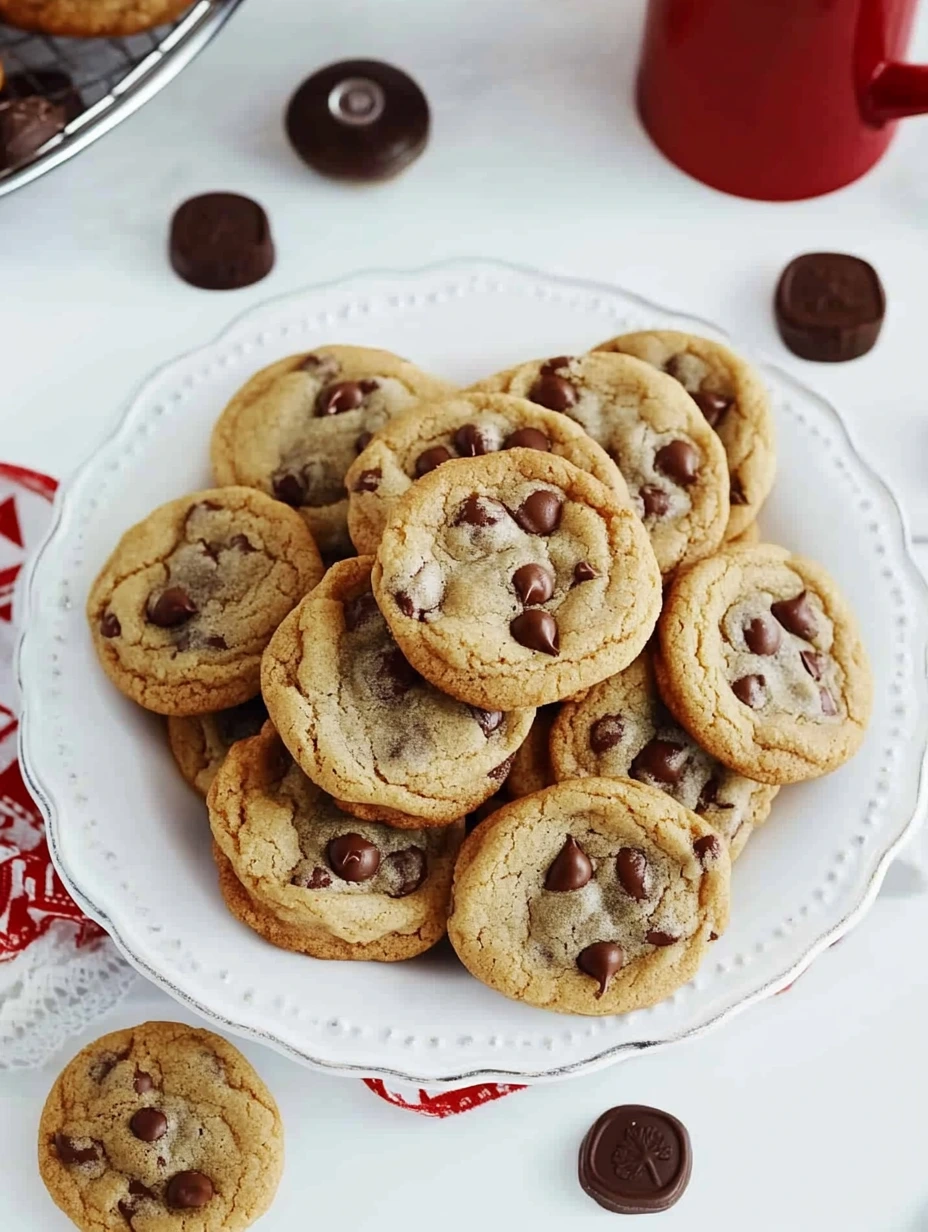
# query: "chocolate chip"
{"type": "Point", "coordinates": [656, 502]}
{"type": "Point", "coordinates": [318, 879]}
{"type": "Point", "coordinates": [631, 868]}
{"type": "Point", "coordinates": [149, 1124]}
{"type": "Point", "coordinates": [829, 306]}
{"type": "Point", "coordinates": [554, 392]}
{"type": "Point", "coordinates": [368, 481]}
{"type": "Point", "coordinates": [709, 796]}
{"type": "Point", "coordinates": [470, 442]}
{"type": "Point", "coordinates": [527, 438]}
{"type": "Point", "coordinates": [707, 848]}
{"type": "Point", "coordinates": [828, 702]}
{"type": "Point", "coordinates": [655, 937]}
{"type": "Point", "coordinates": [70, 1153]}
{"type": "Point", "coordinates": [584, 572]}
{"type": "Point", "coordinates": [540, 512]}
{"type": "Point", "coordinates": [241, 543]}
{"type": "Point", "coordinates": [340, 397]}
{"type": "Point", "coordinates": [487, 720]}
{"type": "Point", "coordinates": [289, 487]}
{"type": "Point", "coordinates": [431, 459]}
{"type": "Point", "coordinates": [142, 1082]}
{"type": "Point", "coordinates": [109, 625]}
{"type": "Point", "coordinates": [751, 690]}
{"type": "Point", "coordinates": [220, 241]}
{"type": "Point", "coordinates": [363, 441]}
{"type": "Point", "coordinates": [173, 607]}
{"type": "Point", "coordinates": [606, 733]}
{"type": "Point", "coordinates": [635, 1160]}
{"type": "Point", "coordinates": [216, 641]}
{"type": "Point", "coordinates": [410, 867]}
{"type": "Point", "coordinates": [661, 760]}
{"type": "Point", "coordinates": [797, 615]}
{"type": "Point", "coordinates": [736, 492]}
{"type": "Point", "coordinates": [714, 937]}
{"type": "Point", "coordinates": [814, 663]}
{"type": "Point", "coordinates": [480, 511]}
{"type": "Point", "coordinates": [601, 960]}
{"type": "Point", "coordinates": [533, 584]}
{"type": "Point", "coordinates": [322, 367]}
{"type": "Point", "coordinates": [188, 1190]}
{"type": "Point", "coordinates": [713, 406]}
{"type": "Point", "coordinates": [679, 461]}
{"type": "Point", "coordinates": [104, 1065]}
{"type": "Point", "coordinates": [762, 636]}
{"type": "Point", "coordinates": [359, 609]}
{"type": "Point", "coordinates": [408, 607]}
{"type": "Point", "coordinates": [571, 868]}
{"type": "Point", "coordinates": [554, 365]}
{"type": "Point", "coordinates": [353, 858]}
{"type": "Point", "coordinates": [128, 1206]}
{"type": "Point", "coordinates": [500, 773]}
{"type": "Point", "coordinates": [396, 674]}
{"type": "Point", "coordinates": [536, 630]}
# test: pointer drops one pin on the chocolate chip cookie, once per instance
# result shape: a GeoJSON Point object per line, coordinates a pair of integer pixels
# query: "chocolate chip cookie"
{"type": "Point", "coordinates": [621, 729]}
{"type": "Point", "coordinates": [761, 660]}
{"type": "Point", "coordinates": [465, 426]}
{"type": "Point", "coordinates": [596, 896]}
{"type": "Point", "coordinates": [734, 401]}
{"type": "Point", "coordinates": [531, 766]}
{"type": "Point", "coordinates": [365, 726]}
{"type": "Point", "coordinates": [294, 429]}
{"type": "Point", "coordinates": [309, 877]}
{"type": "Point", "coordinates": [200, 742]}
{"type": "Point", "coordinates": [671, 460]}
{"type": "Point", "coordinates": [90, 18]}
{"type": "Point", "coordinates": [516, 579]}
{"type": "Point", "coordinates": [161, 1126]}
{"type": "Point", "coordinates": [184, 607]}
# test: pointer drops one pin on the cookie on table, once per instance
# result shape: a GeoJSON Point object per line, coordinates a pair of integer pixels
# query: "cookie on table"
{"type": "Point", "coordinates": [184, 607]}
{"type": "Point", "coordinates": [200, 742]}
{"type": "Point", "coordinates": [296, 426]}
{"type": "Point", "coordinates": [596, 896]}
{"type": "Point", "coordinates": [365, 726]}
{"type": "Point", "coordinates": [621, 729]}
{"type": "Point", "coordinates": [464, 426]}
{"type": "Point", "coordinates": [761, 660]}
{"type": "Point", "coordinates": [732, 397]}
{"type": "Point", "coordinates": [309, 877]}
{"type": "Point", "coordinates": [161, 1126]}
{"type": "Point", "coordinates": [671, 460]}
{"type": "Point", "coordinates": [531, 766]}
{"type": "Point", "coordinates": [90, 18]}
{"type": "Point", "coordinates": [516, 579]}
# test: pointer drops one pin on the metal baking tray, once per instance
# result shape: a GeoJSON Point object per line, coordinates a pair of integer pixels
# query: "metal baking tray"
{"type": "Point", "coordinates": [113, 76]}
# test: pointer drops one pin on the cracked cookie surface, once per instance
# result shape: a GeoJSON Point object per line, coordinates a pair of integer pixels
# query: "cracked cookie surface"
{"type": "Point", "coordinates": [314, 879]}
{"type": "Point", "coordinates": [596, 896]}
{"type": "Point", "coordinates": [734, 401]}
{"type": "Point", "coordinates": [295, 427]}
{"type": "Point", "coordinates": [516, 579]}
{"type": "Point", "coordinates": [161, 1128]}
{"type": "Point", "coordinates": [621, 729]}
{"type": "Point", "coordinates": [366, 726]}
{"type": "Point", "coordinates": [182, 610]}
{"type": "Point", "coordinates": [671, 460]}
{"type": "Point", "coordinates": [761, 659]}
{"type": "Point", "coordinates": [199, 743]}
{"type": "Point", "coordinates": [464, 426]}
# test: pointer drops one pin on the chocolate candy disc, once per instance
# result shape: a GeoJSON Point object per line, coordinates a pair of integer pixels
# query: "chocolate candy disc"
{"type": "Point", "coordinates": [635, 1160]}
{"type": "Point", "coordinates": [221, 241]}
{"type": "Point", "coordinates": [829, 306]}
{"type": "Point", "coordinates": [358, 120]}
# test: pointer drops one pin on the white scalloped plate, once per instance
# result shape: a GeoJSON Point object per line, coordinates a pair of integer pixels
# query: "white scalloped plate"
{"type": "Point", "coordinates": [131, 841]}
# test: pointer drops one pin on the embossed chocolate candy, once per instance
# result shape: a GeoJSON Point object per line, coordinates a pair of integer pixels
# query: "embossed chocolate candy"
{"type": "Point", "coordinates": [635, 1160]}
{"type": "Point", "coordinates": [221, 241]}
{"type": "Point", "coordinates": [829, 306]}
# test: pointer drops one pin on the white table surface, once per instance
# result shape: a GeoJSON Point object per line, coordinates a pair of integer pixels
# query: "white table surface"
{"type": "Point", "coordinates": [806, 1112]}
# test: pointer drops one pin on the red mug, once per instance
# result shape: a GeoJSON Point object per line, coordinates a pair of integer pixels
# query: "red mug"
{"type": "Point", "coordinates": [777, 99]}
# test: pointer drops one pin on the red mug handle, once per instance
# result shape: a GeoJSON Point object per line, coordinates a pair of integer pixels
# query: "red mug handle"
{"type": "Point", "coordinates": [896, 90]}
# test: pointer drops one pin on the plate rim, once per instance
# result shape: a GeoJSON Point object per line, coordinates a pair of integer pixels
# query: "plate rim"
{"type": "Point", "coordinates": [615, 1053]}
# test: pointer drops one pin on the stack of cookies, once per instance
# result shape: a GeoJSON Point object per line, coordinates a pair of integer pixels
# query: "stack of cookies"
{"type": "Point", "coordinates": [559, 632]}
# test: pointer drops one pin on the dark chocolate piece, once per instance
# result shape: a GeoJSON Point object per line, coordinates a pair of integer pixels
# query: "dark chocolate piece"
{"type": "Point", "coordinates": [570, 869]}
{"type": "Point", "coordinates": [829, 306]}
{"type": "Point", "coordinates": [221, 241]}
{"type": "Point", "coordinates": [26, 124]}
{"type": "Point", "coordinates": [50, 83]}
{"type": "Point", "coordinates": [635, 1160]}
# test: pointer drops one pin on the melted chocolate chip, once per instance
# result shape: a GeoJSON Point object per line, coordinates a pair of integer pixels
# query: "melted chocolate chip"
{"type": "Point", "coordinates": [410, 866]}
{"type": "Point", "coordinates": [814, 663]}
{"type": "Point", "coordinates": [128, 1206]}
{"type": "Point", "coordinates": [713, 406]}
{"type": "Point", "coordinates": [656, 502]}
{"type": "Point", "coordinates": [109, 625]}
{"type": "Point", "coordinates": [751, 690]}
{"type": "Point", "coordinates": [480, 511]}
{"type": "Point", "coordinates": [829, 706]}
{"type": "Point", "coordinates": [631, 868]}
{"type": "Point", "coordinates": [359, 609]}
{"type": "Point", "coordinates": [536, 630]}
{"type": "Point", "coordinates": [188, 1190]}
{"type": "Point", "coordinates": [353, 858]}
{"type": "Point", "coordinates": [173, 607]}
{"type": "Point", "coordinates": [655, 937]}
{"type": "Point", "coordinates": [601, 960]}
{"type": "Point", "coordinates": [540, 512]}
{"type": "Point", "coordinates": [142, 1082]}
{"type": "Point", "coordinates": [407, 606]}
{"type": "Point", "coordinates": [431, 459]}
{"type": "Point", "coordinates": [500, 773]}
{"type": "Point", "coordinates": [70, 1153]}
{"type": "Point", "coordinates": [470, 442]}
{"type": "Point", "coordinates": [606, 733]}
{"type": "Point", "coordinates": [707, 848]}
{"type": "Point", "coordinates": [661, 760]}
{"type": "Point", "coordinates": [318, 879]}
{"type": "Point", "coordinates": [571, 868]}
{"type": "Point", "coordinates": [397, 675]}
{"type": "Point", "coordinates": [363, 441]}
{"type": "Point", "coordinates": [762, 636]}
{"type": "Point", "coordinates": [533, 584]}
{"type": "Point", "coordinates": [584, 572]}
{"type": "Point", "coordinates": [709, 796]}
{"type": "Point", "coordinates": [679, 461]}
{"type": "Point", "coordinates": [527, 438]}
{"type": "Point", "coordinates": [797, 615]}
{"type": "Point", "coordinates": [487, 720]}
{"type": "Point", "coordinates": [554, 392]}
{"type": "Point", "coordinates": [368, 481]}
{"type": "Point", "coordinates": [340, 397]}
{"type": "Point", "coordinates": [149, 1124]}
{"type": "Point", "coordinates": [289, 487]}
{"type": "Point", "coordinates": [216, 641]}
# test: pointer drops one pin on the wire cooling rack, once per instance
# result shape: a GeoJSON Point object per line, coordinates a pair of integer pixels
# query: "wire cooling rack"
{"type": "Point", "coordinates": [111, 77]}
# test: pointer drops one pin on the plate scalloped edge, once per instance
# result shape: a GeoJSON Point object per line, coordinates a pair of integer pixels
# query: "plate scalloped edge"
{"type": "Point", "coordinates": [474, 269]}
